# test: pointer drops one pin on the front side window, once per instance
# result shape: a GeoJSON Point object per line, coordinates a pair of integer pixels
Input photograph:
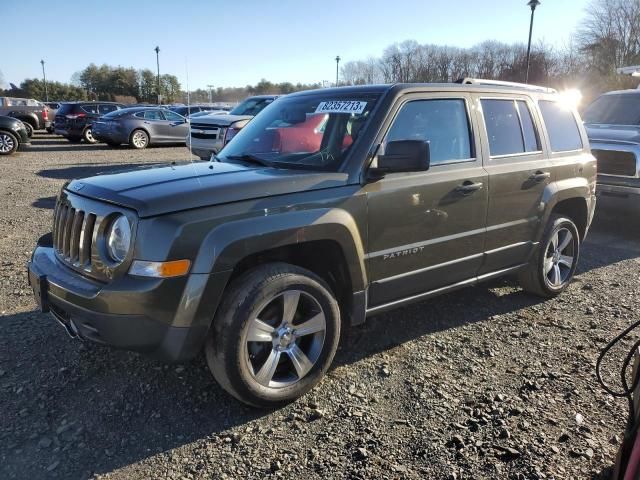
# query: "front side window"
{"type": "Point", "coordinates": [173, 117]}
{"type": "Point", "coordinates": [510, 128]}
{"type": "Point", "coordinates": [561, 125]}
{"type": "Point", "coordinates": [442, 123]}
{"type": "Point", "coordinates": [313, 131]}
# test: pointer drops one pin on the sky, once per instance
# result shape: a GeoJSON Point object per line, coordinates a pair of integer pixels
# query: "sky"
{"type": "Point", "coordinates": [236, 42]}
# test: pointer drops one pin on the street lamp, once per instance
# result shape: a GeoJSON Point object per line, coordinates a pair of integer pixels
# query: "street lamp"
{"type": "Point", "coordinates": [533, 4]}
{"type": "Point", "coordinates": [157, 50]}
{"type": "Point", "coordinates": [210, 93]}
{"type": "Point", "coordinates": [44, 79]}
{"type": "Point", "coordinates": [337, 64]}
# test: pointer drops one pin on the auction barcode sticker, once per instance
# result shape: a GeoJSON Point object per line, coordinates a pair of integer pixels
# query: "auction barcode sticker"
{"type": "Point", "coordinates": [341, 106]}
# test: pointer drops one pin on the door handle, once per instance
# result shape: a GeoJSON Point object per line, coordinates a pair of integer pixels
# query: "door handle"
{"type": "Point", "coordinates": [468, 187]}
{"type": "Point", "coordinates": [540, 176]}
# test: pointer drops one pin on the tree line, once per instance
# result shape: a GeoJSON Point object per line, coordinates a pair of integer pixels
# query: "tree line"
{"type": "Point", "coordinates": [608, 37]}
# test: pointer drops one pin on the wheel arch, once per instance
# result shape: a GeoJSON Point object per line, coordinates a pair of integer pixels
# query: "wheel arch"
{"type": "Point", "coordinates": [571, 198]}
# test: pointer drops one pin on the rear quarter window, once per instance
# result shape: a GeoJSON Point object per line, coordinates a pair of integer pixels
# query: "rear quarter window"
{"type": "Point", "coordinates": [562, 128]}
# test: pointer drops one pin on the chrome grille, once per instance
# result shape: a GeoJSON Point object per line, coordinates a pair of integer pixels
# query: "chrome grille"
{"type": "Point", "coordinates": [206, 131]}
{"type": "Point", "coordinates": [73, 234]}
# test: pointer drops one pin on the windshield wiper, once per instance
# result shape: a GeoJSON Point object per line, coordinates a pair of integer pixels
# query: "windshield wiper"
{"type": "Point", "coordinates": [249, 158]}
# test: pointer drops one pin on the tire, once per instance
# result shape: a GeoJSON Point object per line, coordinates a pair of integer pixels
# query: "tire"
{"type": "Point", "coordinates": [139, 139]}
{"type": "Point", "coordinates": [8, 143]}
{"type": "Point", "coordinates": [74, 139]}
{"type": "Point", "coordinates": [87, 135]}
{"type": "Point", "coordinates": [552, 267]}
{"type": "Point", "coordinates": [29, 128]}
{"type": "Point", "coordinates": [240, 365]}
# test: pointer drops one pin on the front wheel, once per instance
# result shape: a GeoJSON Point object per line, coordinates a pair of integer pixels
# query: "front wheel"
{"type": "Point", "coordinates": [8, 143]}
{"type": "Point", "coordinates": [274, 336]}
{"type": "Point", "coordinates": [29, 128]}
{"type": "Point", "coordinates": [551, 269]}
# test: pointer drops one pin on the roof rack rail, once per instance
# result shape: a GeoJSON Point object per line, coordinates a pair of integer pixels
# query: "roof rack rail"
{"type": "Point", "coordinates": [500, 83]}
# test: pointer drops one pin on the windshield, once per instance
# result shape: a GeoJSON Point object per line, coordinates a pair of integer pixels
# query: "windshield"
{"type": "Point", "coordinates": [310, 131]}
{"type": "Point", "coordinates": [621, 109]}
{"type": "Point", "coordinates": [252, 106]}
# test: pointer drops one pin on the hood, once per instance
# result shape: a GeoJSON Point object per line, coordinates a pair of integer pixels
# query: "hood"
{"type": "Point", "coordinates": [623, 134]}
{"type": "Point", "coordinates": [223, 120]}
{"type": "Point", "coordinates": [172, 188]}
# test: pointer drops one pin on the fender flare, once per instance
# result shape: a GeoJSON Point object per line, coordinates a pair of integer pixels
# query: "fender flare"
{"type": "Point", "coordinates": [226, 245]}
{"type": "Point", "coordinates": [556, 192]}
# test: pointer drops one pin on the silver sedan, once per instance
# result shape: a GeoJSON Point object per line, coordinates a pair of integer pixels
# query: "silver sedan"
{"type": "Point", "coordinates": [140, 127]}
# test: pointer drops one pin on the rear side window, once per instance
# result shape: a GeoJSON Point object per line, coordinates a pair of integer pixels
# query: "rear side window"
{"type": "Point", "coordinates": [173, 117]}
{"type": "Point", "coordinates": [561, 126]}
{"type": "Point", "coordinates": [442, 123]}
{"type": "Point", "coordinates": [93, 108]}
{"type": "Point", "coordinates": [107, 108]}
{"type": "Point", "coordinates": [153, 115]}
{"type": "Point", "coordinates": [510, 128]}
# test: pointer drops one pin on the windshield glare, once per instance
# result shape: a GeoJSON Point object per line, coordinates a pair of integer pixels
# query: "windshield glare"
{"type": "Point", "coordinates": [252, 106]}
{"type": "Point", "coordinates": [623, 109]}
{"type": "Point", "coordinates": [314, 132]}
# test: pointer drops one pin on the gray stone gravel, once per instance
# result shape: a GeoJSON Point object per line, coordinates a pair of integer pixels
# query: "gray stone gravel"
{"type": "Point", "coordinates": [483, 383]}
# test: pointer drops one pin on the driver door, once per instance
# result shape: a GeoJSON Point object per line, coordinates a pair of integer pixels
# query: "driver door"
{"type": "Point", "coordinates": [427, 229]}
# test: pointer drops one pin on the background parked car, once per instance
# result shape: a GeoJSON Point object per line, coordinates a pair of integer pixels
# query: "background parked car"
{"type": "Point", "coordinates": [74, 119]}
{"type": "Point", "coordinates": [34, 114]}
{"type": "Point", "coordinates": [53, 110]}
{"type": "Point", "coordinates": [191, 109]}
{"type": "Point", "coordinates": [140, 127]}
{"type": "Point", "coordinates": [212, 132]}
{"type": "Point", "coordinates": [13, 133]}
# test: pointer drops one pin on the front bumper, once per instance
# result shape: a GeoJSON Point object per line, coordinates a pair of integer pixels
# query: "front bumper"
{"type": "Point", "coordinates": [204, 148]}
{"type": "Point", "coordinates": [163, 318]}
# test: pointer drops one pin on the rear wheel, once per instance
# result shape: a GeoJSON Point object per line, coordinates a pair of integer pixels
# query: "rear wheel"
{"type": "Point", "coordinates": [139, 139]}
{"type": "Point", "coordinates": [274, 336]}
{"type": "Point", "coordinates": [8, 143]}
{"type": "Point", "coordinates": [551, 269]}
{"type": "Point", "coordinates": [87, 135]}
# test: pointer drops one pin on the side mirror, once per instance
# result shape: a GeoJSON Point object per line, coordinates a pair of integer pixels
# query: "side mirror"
{"type": "Point", "coordinates": [405, 156]}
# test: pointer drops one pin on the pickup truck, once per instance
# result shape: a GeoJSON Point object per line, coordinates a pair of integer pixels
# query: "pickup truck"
{"type": "Point", "coordinates": [613, 126]}
{"type": "Point", "coordinates": [34, 114]}
{"type": "Point", "coordinates": [380, 196]}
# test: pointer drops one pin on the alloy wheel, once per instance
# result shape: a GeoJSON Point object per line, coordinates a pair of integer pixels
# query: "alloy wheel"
{"type": "Point", "coordinates": [559, 257]}
{"type": "Point", "coordinates": [285, 339]}
{"type": "Point", "coordinates": [139, 139]}
{"type": "Point", "coordinates": [6, 143]}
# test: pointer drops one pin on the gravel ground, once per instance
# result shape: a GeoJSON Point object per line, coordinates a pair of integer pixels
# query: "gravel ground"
{"type": "Point", "coordinates": [486, 382]}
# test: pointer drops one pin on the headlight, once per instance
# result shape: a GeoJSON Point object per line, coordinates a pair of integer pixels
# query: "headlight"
{"type": "Point", "coordinates": [119, 239]}
{"type": "Point", "coordinates": [229, 134]}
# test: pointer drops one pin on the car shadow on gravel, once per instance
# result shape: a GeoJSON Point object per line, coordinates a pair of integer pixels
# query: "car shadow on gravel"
{"type": "Point", "coordinates": [91, 169]}
{"type": "Point", "coordinates": [80, 409]}
{"type": "Point", "coordinates": [45, 202]}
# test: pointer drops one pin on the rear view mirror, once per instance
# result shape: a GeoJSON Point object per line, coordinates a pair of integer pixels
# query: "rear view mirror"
{"type": "Point", "coordinates": [405, 156]}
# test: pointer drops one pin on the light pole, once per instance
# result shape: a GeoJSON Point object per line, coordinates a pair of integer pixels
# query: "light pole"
{"type": "Point", "coordinates": [533, 4]}
{"type": "Point", "coordinates": [210, 87]}
{"type": "Point", "coordinates": [157, 50]}
{"type": "Point", "coordinates": [44, 79]}
{"type": "Point", "coordinates": [337, 64]}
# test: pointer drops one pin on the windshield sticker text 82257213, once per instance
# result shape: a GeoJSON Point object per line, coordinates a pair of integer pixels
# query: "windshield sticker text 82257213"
{"type": "Point", "coordinates": [341, 106]}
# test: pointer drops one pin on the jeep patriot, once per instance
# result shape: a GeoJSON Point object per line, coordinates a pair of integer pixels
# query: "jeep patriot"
{"type": "Point", "coordinates": [329, 206]}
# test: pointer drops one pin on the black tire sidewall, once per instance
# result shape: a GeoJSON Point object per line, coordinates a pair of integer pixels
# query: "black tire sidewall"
{"type": "Point", "coordinates": [226, 344]}
{"type": "Point", "coordinates": [557, 224]}
{"type": "Point", "coordinates": [29, 128]}
{"type": "Point", "coordinates": [16, 143]}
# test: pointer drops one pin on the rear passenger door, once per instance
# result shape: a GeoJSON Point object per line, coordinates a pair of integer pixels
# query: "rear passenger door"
{"type": "Point", "coordinates": [518, 174]}
{"type": "Point", "coordinates": [426, 229]}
